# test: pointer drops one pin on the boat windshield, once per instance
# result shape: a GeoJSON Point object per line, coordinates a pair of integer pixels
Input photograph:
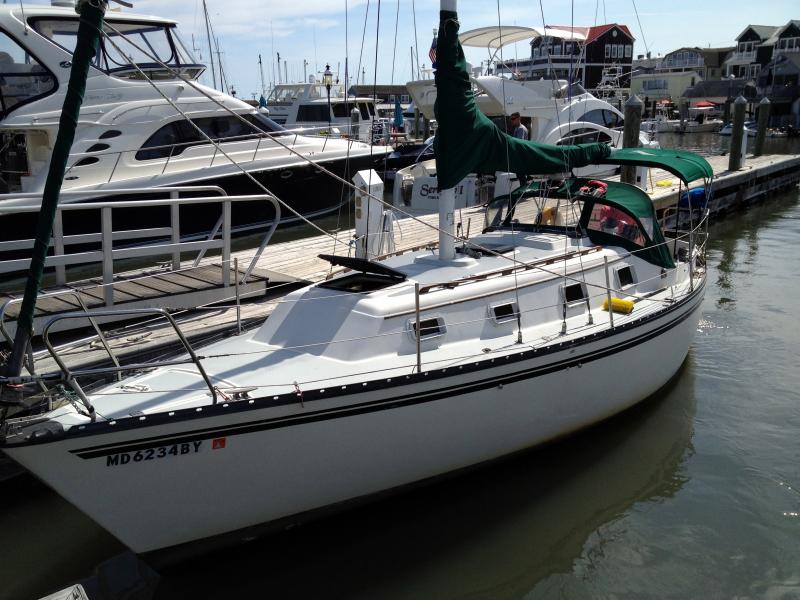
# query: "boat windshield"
{"type": "Point", "coordinates": [143, 44]}
{"type": "Point", "coordinates": [533, 208]}
{"type": "Point", "coordinates": [569, 91]}
{"type": "Point", "coordinates": [22, 77]}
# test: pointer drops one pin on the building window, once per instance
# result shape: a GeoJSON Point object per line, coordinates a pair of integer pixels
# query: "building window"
{"type": "Point", "coordinates": [613, 51]}
{"type": "Point", "coordinates": [628, 50]}
{"type": "Point", "coordinates": [608, 50]}
{"type": "Point", "coordinates": [404, 99]}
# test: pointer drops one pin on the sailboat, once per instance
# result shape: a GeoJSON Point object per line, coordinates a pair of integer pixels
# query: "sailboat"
{"type": "Point", "coordinates": [569, 307]}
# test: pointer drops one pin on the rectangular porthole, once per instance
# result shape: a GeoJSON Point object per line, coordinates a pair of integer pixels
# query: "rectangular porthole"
{"type": "Point", "coordinates": [625, 276]}
{"type": "Point", "coordinates": [574, 293]}
{"type": "Point", "coordinates": [428, 328]}
{"type": "Point", "coordinates": [501, 313]}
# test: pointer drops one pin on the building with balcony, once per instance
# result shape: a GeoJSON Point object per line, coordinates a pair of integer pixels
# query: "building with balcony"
{"type": "Point", "coordinates": [668, 77]}
{"type": "Point", "coordinates": [581, 54]}
{"type": "Point", "coordinates": [751, 53]}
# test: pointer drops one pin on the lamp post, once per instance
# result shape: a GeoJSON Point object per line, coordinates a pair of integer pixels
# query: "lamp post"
{"type": "Point", "coordinates": [327, 80]}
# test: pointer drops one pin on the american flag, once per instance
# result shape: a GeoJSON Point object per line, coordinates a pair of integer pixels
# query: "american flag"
{"type": "Point", "coordinates": [432, 53]}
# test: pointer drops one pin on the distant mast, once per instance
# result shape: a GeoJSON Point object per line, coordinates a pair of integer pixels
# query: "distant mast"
{"type": "Point", "coordinates": [210, 50]}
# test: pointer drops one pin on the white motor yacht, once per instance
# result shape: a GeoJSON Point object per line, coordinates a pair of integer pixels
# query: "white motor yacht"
{"type": "Point", "coordinates": [320, 109]}
{"type": "Point", "coordinates": [132, 133]}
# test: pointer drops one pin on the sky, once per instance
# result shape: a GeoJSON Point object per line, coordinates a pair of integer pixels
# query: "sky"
{"type": "Point", "coordinates": [322, 31]}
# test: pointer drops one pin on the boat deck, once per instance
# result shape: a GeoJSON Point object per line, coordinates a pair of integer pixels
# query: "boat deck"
{"type": "Point", "coordinates": [298, 261]}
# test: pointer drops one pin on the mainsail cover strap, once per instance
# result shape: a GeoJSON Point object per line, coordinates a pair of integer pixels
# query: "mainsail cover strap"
{"type": "Point", "coordinates": [468, 142]}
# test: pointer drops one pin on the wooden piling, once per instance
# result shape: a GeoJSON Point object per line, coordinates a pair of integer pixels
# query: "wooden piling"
{"type": "Point", "coordinates": [735, 155]}
{"type": "Point", "coordinates": [630, 134]}
{"type": "Point", "coordinates": [763, 123]}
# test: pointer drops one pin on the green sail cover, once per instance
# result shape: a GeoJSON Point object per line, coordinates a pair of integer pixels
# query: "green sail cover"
{"type": "Point", "coordinates": [468, 142]}
{"type": "Point", "coordinates": [686, 165]}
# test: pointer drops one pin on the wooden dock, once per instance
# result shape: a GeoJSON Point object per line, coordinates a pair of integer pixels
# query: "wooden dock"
{"type": "Point", "coordinates": [298, 261]}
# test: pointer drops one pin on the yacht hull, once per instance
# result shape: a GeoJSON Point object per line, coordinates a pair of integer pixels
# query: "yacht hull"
{"type": "Point", "coordinates": [157, 484]}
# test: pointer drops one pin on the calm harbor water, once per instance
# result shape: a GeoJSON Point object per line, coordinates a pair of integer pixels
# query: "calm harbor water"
{"type": "Point", "coordinates": [695, 493]}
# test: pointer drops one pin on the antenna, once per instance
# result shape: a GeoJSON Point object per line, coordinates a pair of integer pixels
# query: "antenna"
{"type": "Point", "coordinates": [279, 66]}
{"type": "Point", "coordinates": [305, 75]}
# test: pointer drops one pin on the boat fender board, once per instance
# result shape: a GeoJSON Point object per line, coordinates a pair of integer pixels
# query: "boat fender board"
{"type": "Point", "coordinates": [619, 305]}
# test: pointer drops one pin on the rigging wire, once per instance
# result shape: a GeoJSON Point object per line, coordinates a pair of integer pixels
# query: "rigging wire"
{"type": "Point", "coordinates": [641, 30]}
{"type": "Point", "coordinates": [416, 43]}
{"type": "Point", "coordinates": [394, 50]}
{"type": "Point", "coordinates": [321, 168]}
{"type": "Point", "coordinates": [508, 169]}
{"type": "Point", "coordinates": [363, 37]}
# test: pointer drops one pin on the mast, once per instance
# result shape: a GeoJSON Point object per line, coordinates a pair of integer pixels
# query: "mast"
{"type": "Point", "coordinates": [447, 198]}
{"type": "Point", "coordinates": [210, 50]}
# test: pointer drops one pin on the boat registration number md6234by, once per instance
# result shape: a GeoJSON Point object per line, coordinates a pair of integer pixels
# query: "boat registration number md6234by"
{"type": "Point", "coordinates": [182, 449]}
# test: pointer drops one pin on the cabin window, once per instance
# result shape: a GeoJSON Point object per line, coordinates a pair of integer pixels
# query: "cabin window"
{"type": "Point", "coordinates": [604, 117]}
{"type": "Point", "coordinates": [574, 293]}
{"type": "Point", "coordinates": [22, 77]}
{"type": "Point", "coordinates": [85, 162]}
{"type": "Point", "coordinates": [111, 133]}
{"type": "Point", "coordinates": [173, 138]}
{"type": "Point", "coordinates": [342, 110]}
{"type": "Point", "coordinates": [501, 313]}
{"type": "Point", "coordinates": [428, 328]}
{"type": "Point", "coordinates": [625, 276]}
{"type": "Point", "coordinates": [97, 147]}
{"type": "Point", "coordinates": [584, 135]}
{"type": "Point", "coordinates": [314, 113]}
{"type": "Point", "coordinates": [611, 220]}
{"type": "Point", "coordinates": [367, 110]}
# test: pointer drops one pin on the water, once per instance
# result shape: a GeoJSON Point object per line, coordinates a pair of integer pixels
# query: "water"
{"type": "Point", "coordinates": [693, 494]}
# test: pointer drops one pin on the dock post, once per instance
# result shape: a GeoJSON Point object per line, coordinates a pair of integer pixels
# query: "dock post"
{"type": "Point", "coordinates": [683, 112]}
{"type": "Point", "coordinates": [630, 135]}
{"type": "Point", "coordinates": [426, 128]}
{"type": "Point", "coordinates": [735, 155]}
{"type": "Point", "coordinates": [416, 123]}
{"type": "Point", "coordinates": [763, 123]}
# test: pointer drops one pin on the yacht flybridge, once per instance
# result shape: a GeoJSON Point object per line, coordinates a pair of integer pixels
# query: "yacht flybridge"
{"type": "Point", "coordinates": [146, 120]}
{"type": "Point", "coordinates": [570, 306]}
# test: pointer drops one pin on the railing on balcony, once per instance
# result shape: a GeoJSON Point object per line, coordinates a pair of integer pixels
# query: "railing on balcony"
{"type": "Point", "coordinates": [741, 56]}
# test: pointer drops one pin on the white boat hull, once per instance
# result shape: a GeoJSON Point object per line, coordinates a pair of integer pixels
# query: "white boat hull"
{"type": "Point", "coordinates": [160, 485]}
